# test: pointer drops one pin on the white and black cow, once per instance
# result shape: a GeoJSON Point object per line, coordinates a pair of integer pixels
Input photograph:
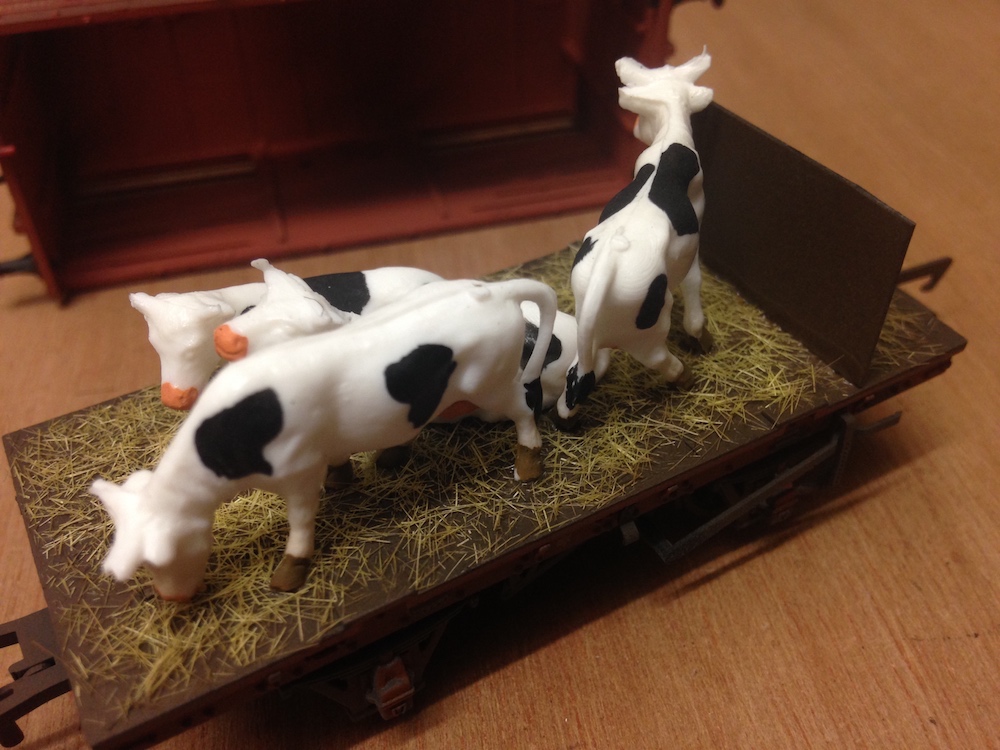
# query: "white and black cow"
{"type": "Point", "coordinates": [276, 420]}
{"type": "Point", "coordinates": [645, 245]}
{"type": "Point", "coordinates": [182, 325]}
{"type": "Point", "coordinates": [290, 308]}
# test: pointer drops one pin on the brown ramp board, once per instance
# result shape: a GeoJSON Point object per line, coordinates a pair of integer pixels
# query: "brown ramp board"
{"type": "Point", "coordinates": [818, 253]}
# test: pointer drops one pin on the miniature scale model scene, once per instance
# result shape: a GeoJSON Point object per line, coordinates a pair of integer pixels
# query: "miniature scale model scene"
{"type": "Point", "coordinates": [440, 350]}
{"type": "Point", "coordinates": [334, 467]}
{"type": "Point", "coordinates": [278, 418]}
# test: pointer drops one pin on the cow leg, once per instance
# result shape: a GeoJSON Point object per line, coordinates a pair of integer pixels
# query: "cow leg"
{"type": "Point", "coordinates": [528, 459]}
{"type": "Point", "coordinates": [395, 457]}
{"type": "Point", "coordinates": [303, 504]}
{"type": "Point", "coordinates": [580, 383]}
{"type": "Point", "coordinates": [564, 410]}
{"type": "Point", "coordinates": [694, 316]}
{"type": "Point", "coordinates": [340, 476]}
{"type": "Point", "coordinates": [660, 359]}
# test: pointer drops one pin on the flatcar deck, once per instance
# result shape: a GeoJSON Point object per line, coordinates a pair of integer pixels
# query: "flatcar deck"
{"type": "Point", "coordinates": [402, 545]}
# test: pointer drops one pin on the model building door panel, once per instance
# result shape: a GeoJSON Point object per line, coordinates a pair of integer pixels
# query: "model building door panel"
{"type": "Point", "coordinates": [177, 137]}
{"type": "Point", "coordinates": [169, 91]}
{"type": "Point", "coordinates": [147, 94]}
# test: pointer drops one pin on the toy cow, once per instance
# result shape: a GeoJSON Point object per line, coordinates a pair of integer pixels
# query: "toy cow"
{"type": "Point", "coordinates": [180, 330]}
{"type": "Point", "coordinates": [289, 308]}
{"type": "Point", "coordinates": [276, 420]}
{"type": "Point", "coordinates": [645, 245]}
{"type": "Point", "coordinates": [181, 326]}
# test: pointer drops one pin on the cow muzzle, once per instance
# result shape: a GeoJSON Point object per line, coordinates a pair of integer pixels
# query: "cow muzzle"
{"type": "Point", "coordinates": [230, 345]}
{"type": "Point", "coordinates": [181, 399]}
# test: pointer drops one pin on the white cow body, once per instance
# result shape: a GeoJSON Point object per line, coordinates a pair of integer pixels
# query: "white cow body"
{"type": "Point", "coordinates": [290, 309]}
{"type": "Point", "coordinates": [182, 325]}
{"type": "Point", "coordinates": [645, 247]}
{"type": "Point", "coordinates": [276, 420]}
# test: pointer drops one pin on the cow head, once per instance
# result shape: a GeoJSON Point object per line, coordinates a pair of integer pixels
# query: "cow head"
{"type": "Point", "coordinates": [289, 309]}
{"type": "Point", "coordinates": [651, 93]}
{"type": "Point", "coordinates": [180, 330]}
{"type": "Point", "coordinates": [175, 548]}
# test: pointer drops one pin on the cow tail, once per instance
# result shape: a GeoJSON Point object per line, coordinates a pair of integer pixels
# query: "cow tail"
{"type": "Point", "coordinates": [602, 277]}
{"type": "Point", "coordinates": [581, 378]}
{"type": "Point", "coordinates": [529, 290]}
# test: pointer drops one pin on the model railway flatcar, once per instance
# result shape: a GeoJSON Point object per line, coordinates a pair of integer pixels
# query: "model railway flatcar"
{"type": "Point", "coordinates": [810, 331]}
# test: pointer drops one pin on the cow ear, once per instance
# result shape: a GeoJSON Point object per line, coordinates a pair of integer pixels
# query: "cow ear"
{"type": "Point", "coordinates": [694, 68]}
{"type": "Point", "coordinates": [124, 556]}
{"type": "Point", "coordinates": [631, 72]}
{"type": "Point", "coordinates": [122, 503]}
{"type": "Point", "coordinates": [280, 282]}
{"type": "Point", "coordinates": [160, 548]}
{"type": "Point", "coordinates": [699, 97]}
{"type": "Point", "coordinates": [140, 301]}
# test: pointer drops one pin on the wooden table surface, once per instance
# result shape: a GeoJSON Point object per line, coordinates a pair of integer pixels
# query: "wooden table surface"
{"type": "Point", "coordinates": [873, 620]}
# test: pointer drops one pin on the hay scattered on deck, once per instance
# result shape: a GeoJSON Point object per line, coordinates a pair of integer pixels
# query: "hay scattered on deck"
{"type": "Point", "coordinates": [452, 507]}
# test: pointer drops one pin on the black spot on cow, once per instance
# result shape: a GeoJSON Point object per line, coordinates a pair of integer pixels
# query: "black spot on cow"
{"type": "Point", "coordinates": [669, 191]}
{"type": "Point", "coordinates": [345, 291]}
{"type": "Point", "coordinates": [651, 307]}
{"type": "Point", "coordinates": [420, 380]}
{"type": "Point", "coordinates": [533, 396]}
{"type": "Point", "coordinates": [247, 309]}
{"type": "Point", "coordinates": [585, 248]}
{"type": "Point", "coordinates": [578, 388]}
{"type": "Point", "coordinates": [231, 443]}
{"type": "Point", "coordinates": [553, 353]}
{"type": "Point", "coordinates": [627, 194]}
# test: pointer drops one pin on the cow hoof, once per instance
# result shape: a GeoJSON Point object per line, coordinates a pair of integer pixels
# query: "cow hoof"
{"type": "Point", "coordinates": [291, 573]}
{"type": "Point", "coordinates": [686, 379]}
{"type": "Point", "coordinates": [393, 458]}
{"type": "Point", "coordinates": [527, 464]}
{"type": "Point", "coordinates": [705, 342]}
{"type": "Point", "coordinates": [339, 477]}
{"type": "Point", "coordinates": [565, 424]}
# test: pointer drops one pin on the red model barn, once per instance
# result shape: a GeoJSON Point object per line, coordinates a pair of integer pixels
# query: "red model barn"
{"type": "Point", "coordinates": [151, 137]}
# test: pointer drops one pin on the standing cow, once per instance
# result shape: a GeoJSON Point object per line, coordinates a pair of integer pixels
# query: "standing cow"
{"type": "Point", "coordinates": [645, 246]}
{"type": "Point", "coordinates": [278, 419]}
{"type": "Point", "coordinates": [181, 326]}
{"type": "Point", "coordinates": [289, 308]}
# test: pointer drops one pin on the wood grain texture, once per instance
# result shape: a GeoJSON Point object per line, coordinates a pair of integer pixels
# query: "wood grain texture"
{"type": "Point", "coordinates": [871, 621]}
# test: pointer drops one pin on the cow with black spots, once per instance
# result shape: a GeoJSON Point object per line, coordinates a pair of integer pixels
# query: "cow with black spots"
{"type": "Point", "coordinates": [182, 325]}
{"type": "Point", "coordinates": [645, 245]}
{"type": "Point", "coordinates": [291, 307]}
{"type": "Point", "coordinates": [278, 419]}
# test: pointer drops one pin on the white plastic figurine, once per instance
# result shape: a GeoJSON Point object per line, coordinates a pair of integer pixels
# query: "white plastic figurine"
{"type": "Point", "coordinates": [180, 330]}
{"type": "Point", "coordinates": [276, 420]}
{"type": "Point", "coordinates": [645, 246]}
{"type": "Point", "coordinates": [181, 326]}
{"type": "Point", "coordinates": [289, 308]}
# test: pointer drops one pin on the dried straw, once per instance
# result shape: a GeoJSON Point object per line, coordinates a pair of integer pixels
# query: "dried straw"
{"type": "Point", "coordinates": [452, 507]}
